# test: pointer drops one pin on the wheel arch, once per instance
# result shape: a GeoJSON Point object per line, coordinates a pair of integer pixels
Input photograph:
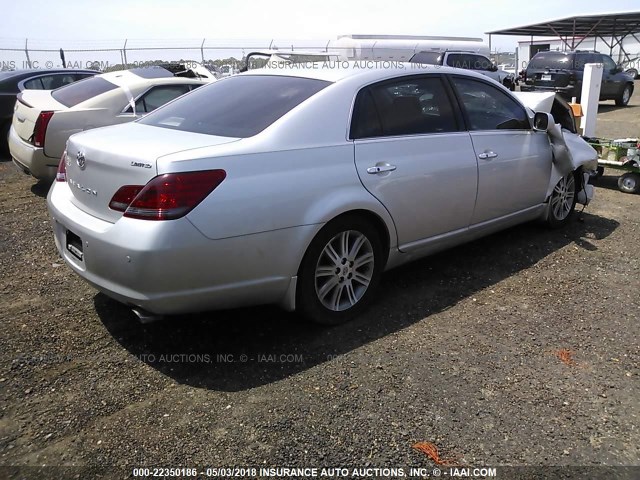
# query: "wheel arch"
{"type": "Point", "coordinates": [371, 217]}
{"type": "Point", "coordinates": [380, 224]}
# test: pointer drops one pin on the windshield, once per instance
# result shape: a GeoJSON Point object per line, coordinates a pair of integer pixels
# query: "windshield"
{"type": "Point", "coordinates": [75, 93]}
{"type": "Point", "coordinates": [240, 106]}
{"type": "Point", "coordinates": [552, 60]}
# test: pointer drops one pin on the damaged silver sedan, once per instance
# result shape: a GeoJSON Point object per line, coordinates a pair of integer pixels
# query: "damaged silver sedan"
{"type": "Point", "coordinates": [301, 186]}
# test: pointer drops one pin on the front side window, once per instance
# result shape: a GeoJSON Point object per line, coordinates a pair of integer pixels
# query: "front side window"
{"type": "Point", "coordinates": [238, 107]}
{"type": "Point", "coordinates": [410, 106]}
{"type": "Point", "coordinates": [488, 108]}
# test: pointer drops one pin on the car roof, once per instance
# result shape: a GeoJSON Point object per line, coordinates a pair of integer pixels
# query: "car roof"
{"type": "Point", "coordinates": [369, 70]}
{"type": "Point", "coordinates": [146, 76]}
{"type": "Point", "coordinates": [32, 72]}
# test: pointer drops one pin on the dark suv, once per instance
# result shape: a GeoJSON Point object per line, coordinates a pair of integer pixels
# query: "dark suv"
{"type": "Point", "coordinates": [562, 72]}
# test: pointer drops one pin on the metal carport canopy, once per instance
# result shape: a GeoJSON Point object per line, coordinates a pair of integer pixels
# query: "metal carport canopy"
{"type": "Point", "coordinates": [573, 30]}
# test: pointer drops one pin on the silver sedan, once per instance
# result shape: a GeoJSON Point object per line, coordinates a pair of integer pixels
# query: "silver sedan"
{"type": "Point", "coordinates": [300, 187]}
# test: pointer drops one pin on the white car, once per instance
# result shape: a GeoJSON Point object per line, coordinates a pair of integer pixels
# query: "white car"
{"type": "Point", "coordinates": [299, 187]}
{"type": "Point", "coordinates": [43, 120]}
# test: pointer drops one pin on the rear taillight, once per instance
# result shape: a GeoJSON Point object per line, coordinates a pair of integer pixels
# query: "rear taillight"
{"type": "Point", "coordinates": [40, 130]}
{"type": "Point", "coordinates": [124, 196]}
{"type": "Point", "coordinates": [61, 174]}
{"type": "Point", "coordinates": [168, 196]}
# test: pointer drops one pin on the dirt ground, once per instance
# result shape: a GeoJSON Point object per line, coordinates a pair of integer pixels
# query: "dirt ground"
{"type": "Point", "coordinates": [518, 349]}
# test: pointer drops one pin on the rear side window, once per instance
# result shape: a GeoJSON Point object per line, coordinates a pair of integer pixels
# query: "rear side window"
{"type": "Point", "coordinates": [609, 64]}
{"type": "Point", "coordinates": [34, 84]}
{"type": "Point", "coordinates": [239, 106]}
{"type": "Point", "coordinates": [468, 61]}
{"type": "Point", "coordinates": [430, 58]}
{"type": "Point", "coordinates": [75, 93]}
{"type": "Point", "coordinates": [552, 60]}
{"type": "Point", "coordinates": [489, 108]}
{"type": "Point", "coordinates": [410, 106]}
{"type": "Point", "coordinates": [158, 96]}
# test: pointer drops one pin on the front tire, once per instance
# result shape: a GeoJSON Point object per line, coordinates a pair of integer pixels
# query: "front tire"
{"type": "Point", "coordinates": [625, 96]}
{"type": "Point", "coordinates": [562, 202]}
{"type": "Point", "coordinates": [629, 183]}
{"type": "Point", "coordinates": [340, 271]}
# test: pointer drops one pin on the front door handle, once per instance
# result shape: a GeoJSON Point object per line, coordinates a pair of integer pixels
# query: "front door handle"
{"type": "Point", "coordinates": [487, 155]}
{"type": "Point", "coordinates": [380, 169]}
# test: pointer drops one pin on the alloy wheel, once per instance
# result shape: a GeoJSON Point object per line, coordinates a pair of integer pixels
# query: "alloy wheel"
{"type": "Point", "coordinates": [562, 198]}
{"type": "Point", "coordinates": [344, 270]}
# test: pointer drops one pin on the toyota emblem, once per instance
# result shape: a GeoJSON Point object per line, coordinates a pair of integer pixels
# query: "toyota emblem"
{"type": "Point", "coordinates": [80, 160]}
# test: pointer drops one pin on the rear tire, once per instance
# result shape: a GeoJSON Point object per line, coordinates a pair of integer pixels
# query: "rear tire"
{"type": "Point", "coordinates": [562, 202]}
{"type": "Point", "coordinates": [629, 183]}
{"type": "Point", "coordinates": [340, 271]}
{"type": "Point", "coordinates": [625, 96]}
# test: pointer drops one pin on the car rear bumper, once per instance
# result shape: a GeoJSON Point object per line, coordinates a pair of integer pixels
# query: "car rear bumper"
{"type": "Point", "coordinates": [31, 160]}
{"type": "Point", "coordinates": [170, 267]}
{"type": "Point", "coordinates": [567, 92]}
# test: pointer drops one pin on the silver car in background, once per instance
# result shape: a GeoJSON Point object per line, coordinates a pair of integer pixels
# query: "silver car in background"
{"type": "Point", "coordinates": [299, 187]}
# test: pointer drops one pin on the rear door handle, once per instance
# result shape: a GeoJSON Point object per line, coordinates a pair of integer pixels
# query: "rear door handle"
{"type": "Point", "coordinates": [487, 155]}
{"type": "Point", "coordinates": [380, 169]}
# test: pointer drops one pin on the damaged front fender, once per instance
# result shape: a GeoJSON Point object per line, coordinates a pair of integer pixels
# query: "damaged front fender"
{"type": "Point", "coordinates": [570, 152]}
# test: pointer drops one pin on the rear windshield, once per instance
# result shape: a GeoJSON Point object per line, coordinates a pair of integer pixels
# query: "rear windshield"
{"type": "Point", "coordinates": [430, 58]}
{"type": "Point", "coordinates": [75, 93]}
{"type": "Point", "coordinates": [552, 60]}
{"type": "Point", "coordinates": [239, 106]}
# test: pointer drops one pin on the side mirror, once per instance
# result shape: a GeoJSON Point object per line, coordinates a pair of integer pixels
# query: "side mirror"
{"type": "Point", "coordinates": [493, 68]}
{"type": "Point", "coordinates": [541, 121]}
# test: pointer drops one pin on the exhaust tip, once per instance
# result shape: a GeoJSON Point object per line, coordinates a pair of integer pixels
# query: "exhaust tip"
{"type": "Point", "coordinates": [146, 317]}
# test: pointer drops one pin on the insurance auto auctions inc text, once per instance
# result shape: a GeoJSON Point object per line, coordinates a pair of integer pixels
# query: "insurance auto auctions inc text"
{"type": "Point", "coordinates": [357, 472]}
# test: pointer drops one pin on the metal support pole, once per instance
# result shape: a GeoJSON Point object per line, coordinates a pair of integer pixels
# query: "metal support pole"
{"type": "Point", "coordinates": [26, 51]}
{"type": "Point", "coordinates": [202, 49]}
{"type": "Point", "coordinates": [124, 52]}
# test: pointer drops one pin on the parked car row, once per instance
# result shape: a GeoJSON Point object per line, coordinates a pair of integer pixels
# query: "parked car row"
{"type": "Point", "coordinates": [44, 120]}
{"type": "Point", "coordinates": [299, 187]}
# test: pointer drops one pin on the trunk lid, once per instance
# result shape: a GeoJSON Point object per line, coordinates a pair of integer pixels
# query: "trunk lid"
{"type": "Point", "coordinates": [28, 107]}
{"type": "Point", "coordinates": [122, 155]}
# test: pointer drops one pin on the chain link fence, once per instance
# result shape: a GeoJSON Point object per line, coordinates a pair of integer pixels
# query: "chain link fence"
{"type": "Point", "coordinates": [109, 55]}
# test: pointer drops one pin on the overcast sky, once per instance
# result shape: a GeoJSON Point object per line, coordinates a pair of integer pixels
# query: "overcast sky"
{"type": "Point", "coordinates": [241, 19]}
